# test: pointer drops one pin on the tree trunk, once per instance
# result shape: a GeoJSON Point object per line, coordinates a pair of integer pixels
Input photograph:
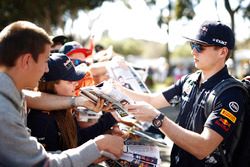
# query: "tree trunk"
{"type": "Point", "coordinates": [47, 22]}
{"type": "Point", "coordinates": [233, 29]}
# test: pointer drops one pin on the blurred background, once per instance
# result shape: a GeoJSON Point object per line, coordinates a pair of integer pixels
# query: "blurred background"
{"type": "Point", "coordinates": [148, 33]}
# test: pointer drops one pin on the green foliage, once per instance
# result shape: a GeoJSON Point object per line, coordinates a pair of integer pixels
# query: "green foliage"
{"type": "Point", "coordinates": [157, 87]}
{"type": "Point", "coordinates": [247, 12]}
{"type": "Point", "coordinates": [244, 45]}
{"type": "Point", "coordinates": [151, 2]}
{"type": "Point", "coordinates": [145, 49]}
{"type": "Point", "coordinates": [184, 8]}
{"type": "Point", "coordinates": [46, 13]}
{"type": "Point", "coordinates": [128, 47]}
{"type": "Point", "coordinates": [179, 9]}
{"type": "Point", "coordinates": [124, 47]}
{"type": "Point", "coordinates": [135, 47]}
{"type": "Point", "coordinates": [182, 51]}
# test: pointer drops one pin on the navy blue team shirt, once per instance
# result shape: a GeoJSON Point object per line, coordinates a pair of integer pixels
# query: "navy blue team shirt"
{"type": "Point", "coordinates": [223, 120]}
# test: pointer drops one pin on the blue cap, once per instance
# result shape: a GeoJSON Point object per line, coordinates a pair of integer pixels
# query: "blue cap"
{"type": "Point", "coordinates": [61, 68]}
{"type": "Point", "coordinates": [214, 33]}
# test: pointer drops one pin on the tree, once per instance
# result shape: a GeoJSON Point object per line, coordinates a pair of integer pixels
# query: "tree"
{"type": "Point", "coordinates": [247, 12]}
{"type": "Point", "coordinates": [232, 14]}
{"type": "Point", "coordinates": [176, 10]}
{"type": "Point", "coordinates": [46, 13]}
{"type": "Point", "coordinates": [185, 8]}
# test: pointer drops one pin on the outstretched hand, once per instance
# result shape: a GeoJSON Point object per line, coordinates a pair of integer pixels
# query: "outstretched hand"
{"type": "Point", "coordinates": [110, 143]}
{"type": "Point", "coordinates": [102, 106]}
{"type": "Point", "coordinates": [93, 106]}
{"type": "Point", "coordinates": [142, 111]}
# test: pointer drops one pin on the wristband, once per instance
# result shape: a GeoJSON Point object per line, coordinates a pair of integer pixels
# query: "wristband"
{"type": "Point", "coordinates": [158, 120]}
{"type": "Point", "coordinates": [73, 101]}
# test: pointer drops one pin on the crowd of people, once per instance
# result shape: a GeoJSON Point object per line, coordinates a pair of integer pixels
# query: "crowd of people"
{"type": "Point", "coordinates": [41, 79]}
{"type": "Point", "coordinates": [22, 68]}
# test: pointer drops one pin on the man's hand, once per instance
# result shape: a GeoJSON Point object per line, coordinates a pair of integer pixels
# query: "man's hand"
{"type": "Point", "coordinates": [91, 105]}
{"type": "Point", "coordinates": [111, 144]}
{"type": "Point", "coordinates": [142, 111]}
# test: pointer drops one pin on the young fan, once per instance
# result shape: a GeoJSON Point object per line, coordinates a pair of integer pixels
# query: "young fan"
{"type": "Point", "coordinates": [58, 130]}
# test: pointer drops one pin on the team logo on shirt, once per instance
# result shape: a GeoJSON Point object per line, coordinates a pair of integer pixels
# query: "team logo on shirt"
{"type": "Point", "coordinates": [223, 123]}
{"type": "Point", "coordinates": [228, 115]}
{"type": "Point", "coordinates": [234, 106]}
{"type": "Point", "coordinates": [188, 89]}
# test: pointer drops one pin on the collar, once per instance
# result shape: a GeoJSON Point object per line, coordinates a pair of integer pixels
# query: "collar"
{"type": "Point", "coordinates": [216, 78]}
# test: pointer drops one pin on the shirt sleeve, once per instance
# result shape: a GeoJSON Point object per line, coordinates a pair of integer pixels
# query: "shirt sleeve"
{"type": "Point", "coordinates": [18, 148]}
{"type": "Point", "coordinates": [227, 113]}
{"type": "Point", "coordinates": [174, 90]}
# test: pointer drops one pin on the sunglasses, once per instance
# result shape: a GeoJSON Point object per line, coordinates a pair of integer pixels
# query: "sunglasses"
{"type": "Point", "coordinates": [198, 47]}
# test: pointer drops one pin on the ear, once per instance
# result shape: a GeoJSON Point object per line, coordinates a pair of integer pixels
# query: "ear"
{"type": "Point", "coordinates": [224, 52]}
{"type": "Point", "coordinates": [26, 60]}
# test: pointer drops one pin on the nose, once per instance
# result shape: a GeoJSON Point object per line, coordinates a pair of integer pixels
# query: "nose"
{"type": "Point", "coordinates": [194, 52]}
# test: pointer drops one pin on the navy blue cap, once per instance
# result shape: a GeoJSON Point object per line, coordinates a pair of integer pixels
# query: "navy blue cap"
{"type": "Point", "coordinates": [214, 33]}
{"type": "Point", "coordinates": [61, 68]}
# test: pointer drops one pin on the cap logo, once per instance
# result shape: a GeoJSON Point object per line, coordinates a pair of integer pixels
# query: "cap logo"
{"type": "Point", "coordinates": [68, 64]}
{"type": "Point", "coordinates": [219, 41]}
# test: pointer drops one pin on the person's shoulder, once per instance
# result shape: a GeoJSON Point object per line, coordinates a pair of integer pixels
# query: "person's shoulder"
{"type": "Point", "coordinates": [235, 93]}
{"type": "Point", "coordinates": [7, 84]}
{"type": "Point", "coordinates": [8, 111]}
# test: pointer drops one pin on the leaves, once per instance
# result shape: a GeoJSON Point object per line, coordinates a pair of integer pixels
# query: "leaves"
{"type": "Point", "coordinates": [46, 13]}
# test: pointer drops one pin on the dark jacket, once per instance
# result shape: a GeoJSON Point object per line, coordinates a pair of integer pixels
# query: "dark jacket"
{"type": "Point", "coordinates": [44, 127]}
